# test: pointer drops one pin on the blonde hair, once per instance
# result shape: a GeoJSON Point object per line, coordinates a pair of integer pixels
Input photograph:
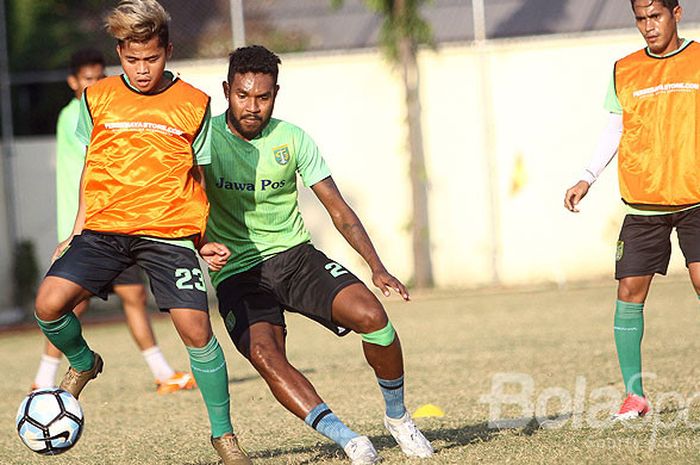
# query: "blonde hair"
{"type": "Point", "coordinates": [138, 21]}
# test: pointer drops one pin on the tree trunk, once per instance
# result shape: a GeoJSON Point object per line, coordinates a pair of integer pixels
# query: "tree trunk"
{"type": "Point", "coordinates": [422, 261]}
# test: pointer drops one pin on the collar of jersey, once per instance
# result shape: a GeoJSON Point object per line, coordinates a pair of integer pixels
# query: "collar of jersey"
{"type": "Point", "coordinates": [167, 73]}
{"type": "Point", "coordinates": [685, 43]}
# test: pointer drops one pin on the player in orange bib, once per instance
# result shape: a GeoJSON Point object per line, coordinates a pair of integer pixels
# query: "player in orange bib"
{"type": "Point", "coordinates": [142, 202]}
{"type": "Point", "coordinates": [654, 105]}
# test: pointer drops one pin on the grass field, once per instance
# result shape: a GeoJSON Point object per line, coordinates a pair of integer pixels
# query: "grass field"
{"type": "Point", "coordinates": [556, 345]}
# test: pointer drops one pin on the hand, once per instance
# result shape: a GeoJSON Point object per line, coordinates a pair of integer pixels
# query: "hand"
{"type": "Point", "coordinates": [216, 255]}
{"type": "Point", "coordinates": [574, 195]}
{"type": "Point", "coordinates": [60, 248]}
{"type": "Point", "coordinates": [385, 282]}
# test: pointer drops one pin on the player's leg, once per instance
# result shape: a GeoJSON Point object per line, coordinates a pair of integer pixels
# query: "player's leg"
{"type": "Point", "coordinates": [51, 358]}
{"type": "Point", "coordinates": [643, 249]}
{"type": "Point", "coordinates": [178, 287]}
{"type": "Point", "coordinates": [688, 229]}
{"type": "Point", "coordinates": [263, 345]}
{"type": "Point", "coordinates": [331, 295]}
{"type": "Point", "coordinates": [694, 272]}
{"type": "Point", "coordinates": [356, 308]}
{"type": "Point", "coordinates": [129, 286]}
{"type": "Point", "coordinates": [255, 323]}
{"type": "Point", "coordinates": [87, 268]}
{"type": "Point", "coordinates": [209, 368]}
{"type": "Point", "coordinates": [133, 298]}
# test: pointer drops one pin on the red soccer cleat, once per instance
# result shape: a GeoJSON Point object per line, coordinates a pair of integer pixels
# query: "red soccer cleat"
{"type": "Point", "coordinates": [633, 407]}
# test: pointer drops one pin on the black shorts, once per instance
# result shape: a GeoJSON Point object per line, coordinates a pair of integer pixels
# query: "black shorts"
{"type": "Point", "coordinates": [128, 277]}
{"type": "Point", "coordinates": [93, 261]}
{"type": "Point", "coordinates": [644, 245]}
{"type": "Point", "coordinates": [301, 279]}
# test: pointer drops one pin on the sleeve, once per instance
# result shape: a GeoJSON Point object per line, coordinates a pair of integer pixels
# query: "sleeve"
{"type": "Point", "coordinates": [310, 164]}
{"type": "Point", "coordinates": [605, 151]}
{"type": "Point", "coordinates": [85, 125]}
{"type": "Point", "coordinates": [201, 147]}
{"type": "Point", "coordinates": [612, 103]}
{"type": "Point", "coordinates": [64, 132]}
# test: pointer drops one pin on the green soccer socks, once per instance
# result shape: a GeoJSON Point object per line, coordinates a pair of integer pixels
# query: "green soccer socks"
{"type": "Point", "coordinates": [66, 334]}
{"type": "Point", "coordinates": [209, 370]}
{"type": "Point", "coordinates": [629, 329]}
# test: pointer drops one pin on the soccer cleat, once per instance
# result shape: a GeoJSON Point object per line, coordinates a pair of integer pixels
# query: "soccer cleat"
{"type": "Point", "coordinates": [361, 451]}
{"type": "Point", "coordinates": [230, 452]}
{"type": "Point", "coordinates": [74, 381]}
{"type": "Point", "coordinates": [177, 382]}
{"type": "Point", "coordinates": [633, 407]}
{"type": "Point", "coordinates": [408, 436]}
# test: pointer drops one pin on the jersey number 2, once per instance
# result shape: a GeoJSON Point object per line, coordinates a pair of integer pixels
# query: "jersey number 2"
{"type": "Point", "coordinates": [335, 269]}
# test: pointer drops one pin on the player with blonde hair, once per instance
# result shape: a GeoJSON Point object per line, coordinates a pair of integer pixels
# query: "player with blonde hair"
{"type": "Point", "coordinates": [87, 66]}
{"type": "Point", "coordinates": [142, 201]}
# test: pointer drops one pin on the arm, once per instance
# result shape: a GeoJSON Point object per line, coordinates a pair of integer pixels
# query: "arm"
{"type": "Point", "coordinates": [603, 155]}
{"type": "Point", "coordinates": [349, 225]}
{"type": "Point", "coordinates": [79, 220]}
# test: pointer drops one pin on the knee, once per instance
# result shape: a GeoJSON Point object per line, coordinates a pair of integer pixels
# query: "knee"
{"type": "Point", "coordinates": [265, 357]}
{"type": "Point", "coordinates": [631, 291]}
{"type": "Point", "coordinates": [370, 319]}
{"type": "Point", "coordinates": [48, 305]}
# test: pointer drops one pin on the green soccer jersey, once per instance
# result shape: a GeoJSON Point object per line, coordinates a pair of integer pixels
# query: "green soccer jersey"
{"type": "Point", "coordinates": [252, 189]}
{"type": "Point", "coordinates": [70, 157]}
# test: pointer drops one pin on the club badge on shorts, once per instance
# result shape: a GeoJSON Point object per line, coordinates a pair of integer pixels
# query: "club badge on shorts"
{"type": "Point", "coordinates": [620, 250]}
{"type": "Point", "coordinates": [230, 321]}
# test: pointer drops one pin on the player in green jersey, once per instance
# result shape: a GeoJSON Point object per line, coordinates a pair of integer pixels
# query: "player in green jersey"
{"type": "Point", "coordinates": [252, 187]}
{"type": "Point", "coordinates": [87, 66]}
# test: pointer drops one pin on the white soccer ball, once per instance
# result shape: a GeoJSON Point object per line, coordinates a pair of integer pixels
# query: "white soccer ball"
{"type": "Point", "coordinates": [49, 421]}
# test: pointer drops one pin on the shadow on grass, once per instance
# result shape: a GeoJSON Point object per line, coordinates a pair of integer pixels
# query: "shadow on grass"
{"type": "Point", "coordinates": [448, 437]}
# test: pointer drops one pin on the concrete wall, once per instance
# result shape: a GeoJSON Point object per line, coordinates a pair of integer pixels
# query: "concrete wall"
{"type": "Point", "coordinates": [546, 100]}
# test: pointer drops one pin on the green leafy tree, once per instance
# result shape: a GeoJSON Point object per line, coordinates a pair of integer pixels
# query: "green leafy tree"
{"type": "Point", "coordinates": [44, 33]}
{"type": "Point", "coordinates": [403, 30]}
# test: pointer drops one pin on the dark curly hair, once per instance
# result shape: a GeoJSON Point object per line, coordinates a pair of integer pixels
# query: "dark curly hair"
{"type": "Point", "coordinates": [85, 57]}
{"type": "Point", "coordinates": [670, 4]}
{"type": "Point", "coordinates": [253, 59]}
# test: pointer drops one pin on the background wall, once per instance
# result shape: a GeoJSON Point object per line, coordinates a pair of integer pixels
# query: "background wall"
{"type": "Point", "coordinates": [546, 107]}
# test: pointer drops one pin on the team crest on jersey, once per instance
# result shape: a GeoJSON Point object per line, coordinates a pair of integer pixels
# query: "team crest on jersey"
{"type": "Point", "coordinates": [281, 155]}
{"type": "Point", "coordinates": [620, 250]}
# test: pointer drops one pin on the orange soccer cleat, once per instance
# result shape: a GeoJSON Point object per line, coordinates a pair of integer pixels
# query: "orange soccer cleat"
{"type": "Point", "coordinates": [177, 382]}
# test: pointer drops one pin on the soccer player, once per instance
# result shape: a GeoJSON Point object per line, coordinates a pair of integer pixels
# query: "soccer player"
{"type": "Point", "coordinates": [252, 187]}
{"type": "Point", "coordinates": [654, 105]}
{"type": "Point", "coordinates": [87, 66]}
{"type": "Point", "coordinates": [142, 202]}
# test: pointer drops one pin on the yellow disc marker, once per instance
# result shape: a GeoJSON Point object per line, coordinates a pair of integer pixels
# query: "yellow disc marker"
{"type": "Point", "coordinates": [428, 410]}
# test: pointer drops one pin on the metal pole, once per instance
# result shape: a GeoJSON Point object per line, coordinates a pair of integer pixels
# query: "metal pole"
{"type": "Point", "coordinates": [7, 131]}
{"type": "Point", "coordinates": [479, 15]}
{"type": "Point", "coordinates": [237, 23]}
